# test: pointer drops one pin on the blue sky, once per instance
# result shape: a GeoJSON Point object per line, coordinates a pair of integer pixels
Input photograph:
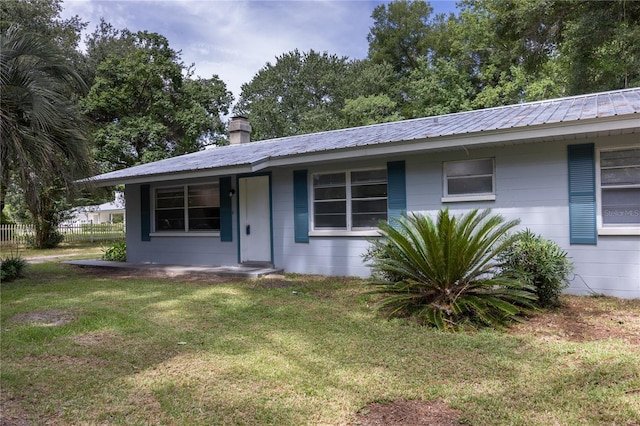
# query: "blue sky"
{"type": "Point", "coordinates": [235, 39]}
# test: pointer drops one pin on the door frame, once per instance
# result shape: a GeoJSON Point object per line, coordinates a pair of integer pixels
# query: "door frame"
{"type": "Point", "coordinates": [250, 175]}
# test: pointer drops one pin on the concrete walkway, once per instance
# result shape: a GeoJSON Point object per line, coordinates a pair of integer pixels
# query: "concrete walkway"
{"type": "Point", "coordinates": [241, 271]}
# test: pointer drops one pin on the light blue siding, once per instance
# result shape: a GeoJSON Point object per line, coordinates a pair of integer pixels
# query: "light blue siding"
{"type": "Point", "coordinates": [531, 185]}
{"type": "Point", "coordinates": [208, 250]}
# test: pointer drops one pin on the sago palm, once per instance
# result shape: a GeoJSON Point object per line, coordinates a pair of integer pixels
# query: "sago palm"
{"type": "Point", "coordinates": [444, 270]}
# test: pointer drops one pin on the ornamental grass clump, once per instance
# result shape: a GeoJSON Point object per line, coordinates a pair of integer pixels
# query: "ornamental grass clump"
{"type": "Point", "coordinates": [443, 273]}
{"type": "Point", "coordinates": [539, 262]}
{"type": "Point", "coordinates": [12, 267]}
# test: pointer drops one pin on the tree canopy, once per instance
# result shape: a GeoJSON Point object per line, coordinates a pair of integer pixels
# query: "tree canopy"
{"type": "Point", "coordinates": [306, 92]}
{"type": "Point", "coordinates": [140, 104]}
{"type": "Point", "coordinates": [400, 34]}
{"type": "Point", "coordinates": [145, 105]}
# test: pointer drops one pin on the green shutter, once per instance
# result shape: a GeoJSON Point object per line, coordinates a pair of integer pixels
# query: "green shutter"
{"type": "Point", "coordinates": [145, 212]}
{"type": "Point", "coordinates": [300, 206]}
{"type": "Point", "coordinates": [582, 194]}
{"type": "Point", "coordinates": [226, 210]}
{"type": "Point", "coordinates": [396, 189]}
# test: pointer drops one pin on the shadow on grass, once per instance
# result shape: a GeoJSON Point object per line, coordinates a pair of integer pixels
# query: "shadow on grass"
{"type": "Point", "coordinates": [162, 350]}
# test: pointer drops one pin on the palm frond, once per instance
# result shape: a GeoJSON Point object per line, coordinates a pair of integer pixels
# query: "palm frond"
{"type": "Point", "coordinates": [445, 272]}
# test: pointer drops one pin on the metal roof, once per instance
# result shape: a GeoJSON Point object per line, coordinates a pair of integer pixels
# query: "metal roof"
{"type": "Point", "coordinates": [615, 104]}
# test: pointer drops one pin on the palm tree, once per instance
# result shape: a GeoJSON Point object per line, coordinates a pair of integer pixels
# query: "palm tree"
{"type": "Point", "coordinates": [444, 273]}
{"type": "Point", "coordinates": [44, 140]}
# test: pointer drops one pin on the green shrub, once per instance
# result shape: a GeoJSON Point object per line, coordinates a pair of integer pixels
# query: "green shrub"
{"type": "Point", "coordinates": [538, 262]}
{"type": "Point", "coordinates": [443, 273]}
{"type": "Point", "coordinates": [116, 252]}
{"type": "Point", "coordinates": [49, 238]}
{"type": "Point", "coordinates": [12, 268]}
{"type": "Point", "coordinates": [379, 249]}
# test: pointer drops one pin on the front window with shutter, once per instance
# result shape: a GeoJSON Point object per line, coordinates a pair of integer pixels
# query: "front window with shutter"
{"type": "Point", "coordinates": [187, 208]}
{"type": "Point", "coordinates": [353, 200]}
{"type": "Point", "coordinates": [620, 187]}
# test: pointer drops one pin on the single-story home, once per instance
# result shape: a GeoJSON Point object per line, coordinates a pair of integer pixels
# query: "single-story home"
{"type": "Point", "coordinates": [110, 212]}
{"type": "Point", "coordinates": [568, 168]}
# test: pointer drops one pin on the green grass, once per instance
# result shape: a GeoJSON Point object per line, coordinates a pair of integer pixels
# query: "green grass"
{"type": "Point", "coordinates": [172, 351]}
{"type": "Point", "coordinates": [69, 250]}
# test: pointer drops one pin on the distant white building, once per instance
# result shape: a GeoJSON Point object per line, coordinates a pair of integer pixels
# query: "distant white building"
{"type": "Point", "coordinates": [111, 212]}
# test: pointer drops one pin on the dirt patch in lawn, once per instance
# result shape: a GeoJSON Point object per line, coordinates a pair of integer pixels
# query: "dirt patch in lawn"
{"type": "Point", "coordinates": [13, 413]}
{"type": "Point", "coordinates": [408, 413]}
{"type": "Point", "coordinates": [586, 319]}
{"type": "Point", "coordinates": [50, 318]}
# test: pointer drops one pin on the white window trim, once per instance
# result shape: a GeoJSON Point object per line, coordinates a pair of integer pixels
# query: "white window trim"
{"type": "Point", "coordinates": [486, 196]}
{"type": "Point", "coordinates": [601, 227]}
{"type": "Point", "coordinates": [186, 232]}
{"type": "Point", "coordinates": [336, 232]}
{"type": "Point", "coordinates": [463, 198]}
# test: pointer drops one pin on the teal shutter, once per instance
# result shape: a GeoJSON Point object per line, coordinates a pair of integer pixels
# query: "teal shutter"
{"type": "Point", "coordinates": [145, 212]}
{"type": "Point", "coordinates": [226, 210]}
{"type": "Point", "coordinates": [300, 206]}
{"type": "Point", "coordinates": [396, 189]}
{"type": "Point", "coordinates": [582, 194]}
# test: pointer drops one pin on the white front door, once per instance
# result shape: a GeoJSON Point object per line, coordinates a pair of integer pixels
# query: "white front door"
{"type": "Point", "coordinates": [255, 219]}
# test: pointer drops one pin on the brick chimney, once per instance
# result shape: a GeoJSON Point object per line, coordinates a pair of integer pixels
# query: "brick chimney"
{"type": "Point", "coordinates": [239, 130]}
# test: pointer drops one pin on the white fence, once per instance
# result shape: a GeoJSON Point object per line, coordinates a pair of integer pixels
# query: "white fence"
{"type": "Point", "coordinates": [85, 232]}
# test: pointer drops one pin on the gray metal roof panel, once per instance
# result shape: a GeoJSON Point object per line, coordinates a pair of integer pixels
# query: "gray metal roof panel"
{"type": "Point", "coordinates": [598, 105]}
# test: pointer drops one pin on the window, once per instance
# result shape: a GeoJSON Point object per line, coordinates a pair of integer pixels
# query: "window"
{"type": "Point", "coordinates": [620, 188]}
{"type": "Point", "coordinates": [469, 180]}
{"type": "Point", "coordinates": [187, 208]}
{"type": "Point", "coordinates": [349, 200]}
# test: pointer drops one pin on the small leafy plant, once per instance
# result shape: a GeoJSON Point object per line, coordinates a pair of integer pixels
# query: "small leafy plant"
{"type": "Point", "coordinates": [12, 267]}
{"type": "Point", "coordinates": [443, 273]}
{"type": "Point", "coordinates": [116, 252]}
{"type": "Point", "coordinates": [540, 263]}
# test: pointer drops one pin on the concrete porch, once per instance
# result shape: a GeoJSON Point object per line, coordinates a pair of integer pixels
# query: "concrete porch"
{"type": "Point", "coordinates": [239, 271]}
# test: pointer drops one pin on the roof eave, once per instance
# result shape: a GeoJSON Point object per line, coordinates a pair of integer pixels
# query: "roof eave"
{"type": "Point", "coordinates": [163, 177]}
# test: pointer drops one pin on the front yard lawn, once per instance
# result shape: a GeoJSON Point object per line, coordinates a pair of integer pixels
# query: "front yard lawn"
{"type": "Point", "coordinates": [101, 347]}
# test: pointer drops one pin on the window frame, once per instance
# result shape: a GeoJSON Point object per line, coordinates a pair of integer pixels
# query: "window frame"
{"type": "Point", "coordinates": [350, 230]}
{"type": "Point", "coordinates": [185, 208]}
{"type": "Point", "coordinates": [483, 196]}
{"type": "Point", "coordinates": [611, 229]}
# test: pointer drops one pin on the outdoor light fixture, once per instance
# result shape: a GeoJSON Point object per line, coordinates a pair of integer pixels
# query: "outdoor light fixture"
{"type": "Point", "coordinates": [232, 192]}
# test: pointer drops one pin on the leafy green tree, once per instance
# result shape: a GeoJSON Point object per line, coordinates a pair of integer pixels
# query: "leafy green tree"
{"type": "Point", "coordinates": [600, 49]}
{"type": "Point", "coordinates": [366, 110]}
{"type": "Point", "coordinates": [144, 104]}
{"type": "Point", "coordinates": [444, 272]}
{"type": "Point", "coordinates": [400, 34]}
{"type": "Point", "coordinates": [306, 92]}
{"type": "Point", "coordinates": [436, 89]}
{"type": "Point", "coordinates": [105, 40]}
{"type": "Point", "coordinates": [542, 49]}
{"type": "Point", "coordinates": [42, 17]}
{"type": "Point", "coordinates": [295, 95]}
{"type": "Point", "coordinates": [44, 140]}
